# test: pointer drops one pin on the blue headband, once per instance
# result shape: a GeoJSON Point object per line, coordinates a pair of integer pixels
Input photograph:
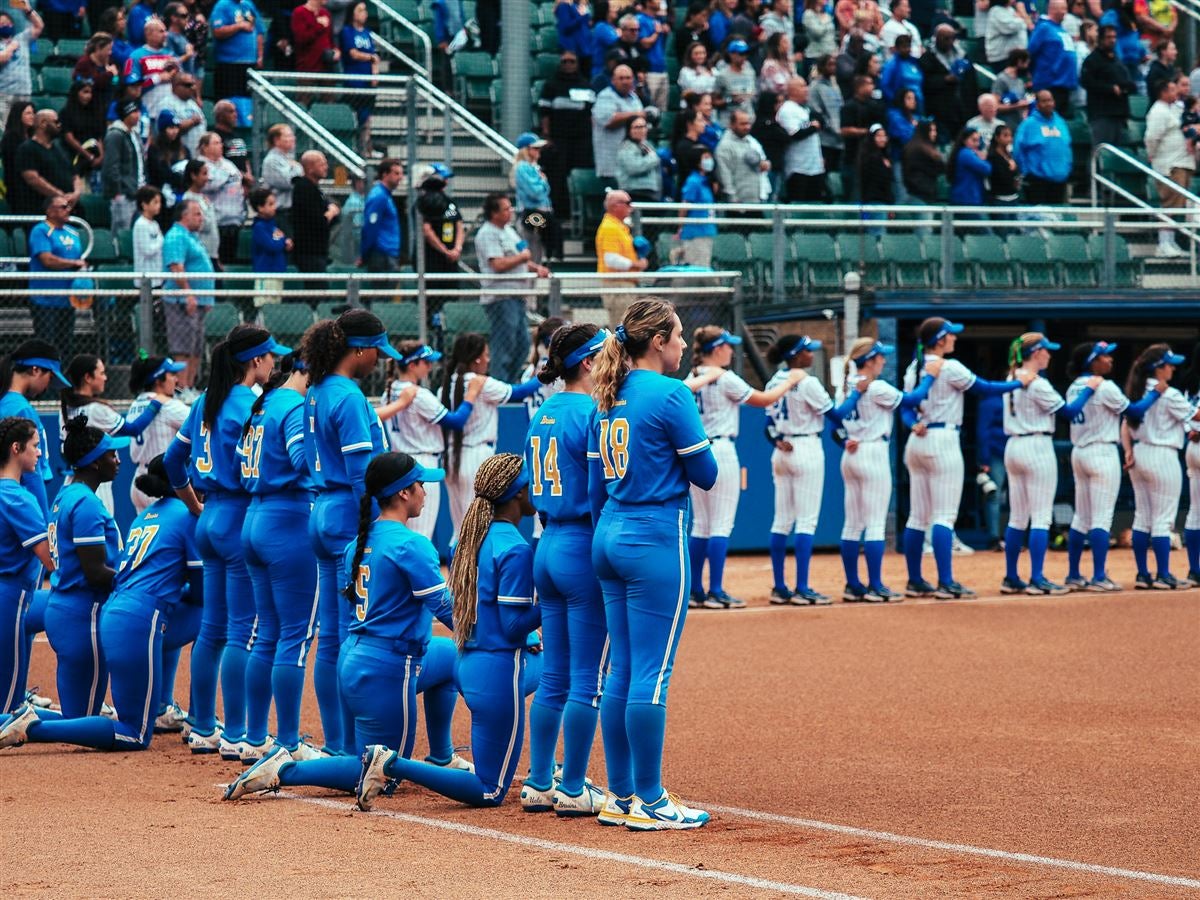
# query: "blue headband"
{"type": "Point", "coordinates": [621, 334]}
{"type": "Point", "coordinates": [723, 338]}
{"type": "Point", "coordinates": [805, 343]}
{"type": "Point", "coordinates": [415, 474]}
{"type": "Point", "coordinates": [518, 484]}
{"type": "Point", "coordinates": [591, 348]}
{"type": "Point", "coordinates": [106, 443]}
{"type": "Point", "coordinates": [378, 341]}
{"type": "Point", "coordinates": [50, 365]}
{"type": "Point", "coordinates": [1103, 348]}
{"type": "Point", "coordinates": [422, 352]}
{"type": "Point", "coordinates": [270, 345]}
{"type": "Point", "coordinates": [948, 327]}
{"type": "Point", "coordinates": [167, 365]}
{"type": "Point", "coordinates": [880, 349]}
{"type": "Point", "coordinates": [1043, 344]}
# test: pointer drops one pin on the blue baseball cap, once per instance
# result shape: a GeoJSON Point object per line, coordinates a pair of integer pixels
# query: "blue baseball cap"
{"type": "Point", "coordinates": [1043, 344]}
{"type": "Point", "coordinates": [378, 341]}
{"type": "Point", "coordinates": [417, 473]}
{"type": "Point", "coordinates": [1168, 359]}
{"type": "Point", "coordinates": [50, 365]}
{"type": "Point", "coordinates": [529, 139]}
{"type": "Point", "coordinates": [948, 327]}
{"type": "Point", "coordinates": [723, 338]}
{"type": "Point", "coordinates": [442, 170]}
{"type": "Point", "coordinates": [879, 349]}
{"type": "Point", "coordinates": [270, 345]}
{"type": "Point", "coordinates": [1100, 348]}
{"type": "Point", "coordinates": [738, 47]}
{"type": "Point", "coordinates": [167, 365]}
{"type": "Point", "coordinates": [422, 352]}
{"type": "Point", "coordinates": [107, 442]}
{"type": "Point", "coordinates": [805, 343]}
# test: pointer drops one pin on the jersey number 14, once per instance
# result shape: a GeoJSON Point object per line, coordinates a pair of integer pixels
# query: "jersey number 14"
{"type": "Point", "coordinates": [545, 467]}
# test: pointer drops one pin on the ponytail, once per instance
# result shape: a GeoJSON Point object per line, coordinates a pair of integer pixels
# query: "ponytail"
{"type": "Point", "coordinates": [643, 320]}
{"type": "Point", "coordinates": [225, 370]}
{"type": "Point", "coordinates": [468, 347]}
{"type": "Point", "coordinates": [360, 546]}
{"type": "Point", "coordinates": [857, 349]}
{"type": "Point", "coordinates": [279, 376]}
{"type": "Point", "coordinates": [78, 369]}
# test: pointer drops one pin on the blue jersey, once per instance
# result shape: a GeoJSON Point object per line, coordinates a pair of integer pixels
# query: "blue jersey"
{"type": "Point", "coordinates": [639, 442]}
{"type": "Point", "coordinates": [272, 453]}
{"type": "Point", "coordinates": [360, 40]}
{"type": "Point", "coordinates": [398, 586]}
{"type": "Point", "coordinates": [15, 403]}
{"type": "Point", "coordinates": [63, 242]}
{"type": "Point", "coordinates": [79, 519]}
{"type": "Point", "coordinates": [340, 422]}
{"type": "Point", "coordinates": [556, 453]}
{"type": "Point", "coordinates": [506, 612]}
{"type": "Point", "coordinates": [22, 527]}
{"type": "Point", "coordinates": [241, 47]}
{"type": "Point", "coordinates": [215, 464]}
{"type": "Point", "coordinates": [160, 549]}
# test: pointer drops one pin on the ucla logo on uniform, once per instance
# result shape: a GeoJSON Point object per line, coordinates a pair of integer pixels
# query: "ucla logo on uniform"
{"type": "Point", "coordinates": [547, 420]}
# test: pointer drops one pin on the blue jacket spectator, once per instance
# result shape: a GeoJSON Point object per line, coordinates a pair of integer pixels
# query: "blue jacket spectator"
{"type": "Point", "coordinates": [1130, 49]}
{"type": "Point", "coordinates": [241, 47]}
{"type": "Point", "coordinates": [901, 125]}
{"type": "Point", "coordinates": [604, 35]}
{"type": "Point", "coordinates": [533, 190]}
{"type": "Point", "coordinates": [902, 72]}
{"type": "Point", "coordinates": [268, 243]}
{"type": "Point", "coordinates": [381, 221]}
{"type": "Point", "coordinates": [698, 189]}
{"type": "Point", "coordinates": [1043, 147]}
{"type": "Point", "coordinates": [1052, 57]}
{"type": "Point", "coordinates": [448, 20]}
{"type": "Point", "coordinates": [967, 171]}
{"type": "Point", "coordinates": [574, 30]}
{"type": "Point", "coordinates": [135, 22]}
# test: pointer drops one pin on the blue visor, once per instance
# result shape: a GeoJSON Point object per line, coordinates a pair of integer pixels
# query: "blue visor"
{"type": "Point", "coordinates": [1043, 344]}
{"type": "Point", "coordinates": [108, 442]}
{"type": "Point", "coordinates": [378, 341]}
{"type": "Point", "coordinates": [591, 348]}
{"type": "Point", "coordinates": [422, 352]}
{"type": "Point", "coordinates": [50, 365]}
{"type": "Point", "coordinates": [270, 345]}
{"type": "Point", "coordinates": [805, 343]}
{"type": "Point", "coordinates": [519, 483]}
{"type": "Point", "coordinates": [948, 327]}
{"type": "Point", "coordinates": [1168, 359]}
{"type": "Point", "coordinates": [723, 338]}
{"type": "Point", "coordinates": [415, 474]}
{"type": "Point", "coordinates": [1103, 348]}
{"type": "Point", "coordinates": [167, 365]}
{"type": "Point", "coordinates": [880, 349]}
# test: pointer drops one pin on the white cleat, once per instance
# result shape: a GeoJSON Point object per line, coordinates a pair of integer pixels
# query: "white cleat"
{"type": "Point", "coordinates": [15, 730]}
{"type": "Point", "coordinates": [589, 802]}
{"type": "Point", "coordinates": [373, 781]}
{"type": "Point", "coordinates": [456, 762]}
{"type": "Point", "coordinates": [534, 800]}
{"type": "Point", "coordinates": [616, 809]}
{"type": "Point", "coordinates": [260, 777]}
{"type": "Point", "coordinates": [108, 712]}
{"type": "Point", "coordinates": [204, 743]}
{"type": "Point", "coordinates": [231, 751]}
{"type": "Point", "coordinates": [305, 751]}
{"type": "Point", "coordinates": [170, 720]}
{"type": "Point", "coordinates": [667, 813]}
{"type": "Point", "coordinates": [252, 753]}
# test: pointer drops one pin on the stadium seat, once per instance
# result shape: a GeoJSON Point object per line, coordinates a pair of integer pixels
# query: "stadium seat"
{"type": "Point", "coordinates": [20, 243]}
{"type": "Point", "coordinates": [906, 257]}
{"type": "Point", "coordinates": [40, 52]}
{"type": "Point", "coordinates": [963, 274]}
{"type": "Point", "coordinates": [338, 119]}
{"type": "Point", "coordinates": [70, 47]}
{"type": "Point", "coordinates": [762, 255]}
{"type": "Point", "coordinates": [1128, 272]}
{"type": "Point", "coordinates": [544, 40]}
{"type": "Point", "coordinates": [1138, 105]}
{"type": "Point", "coordinates": [286, 321]}
{"type": "Point", "coordinates": [125, 245]}
{"type": "Point", "coordinates": [400, 319]}
{"type": "Point", "coordinates": [730, 252]}
{"type": "Point", "coordinates": [545, 65]}
{"type": "Point", "coordinates": [587, 199]}
{"type": "Point", "coordinates": [245, 242]}
{"type": "Point", "coordinates": [104, 249]}
{"type": "Point", "coordinates": [459, 316]}
{"type": "Point", "coordinates": [56, 81]}
{"type": "Point", "coordinates": [817, 257]}
{"type": "Point", "coordinates": [96, 210]}
{"type": "Point", "coordinates": [1034, 268]}
{"type": "Point", "coordinates": [663, 245]}
{"type": "Point", "coordinates": [6, 244]}
{"type": "Point", "coordinates": [220, 319]}
{"type": "Point", "coordinates": [1076, 267]}
{"type": "Point", "coordinates": [986, 253]}
{"type": "Point", "coordinates": [474, 74]}
{"type": "Point", "coordinates": [860, 253]}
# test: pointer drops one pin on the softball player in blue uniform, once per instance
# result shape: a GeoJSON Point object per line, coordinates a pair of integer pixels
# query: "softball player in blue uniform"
{"type": "Point", "coordinates": [1153, 463]}
{"type": "Point", "coordinates": [23, 545]}
{"type": "Point", "coordinates": [274, 473]}
{"type": "Point", "coordinates": [342, 434]}
{"type": "Point", "coordinates": [25, 374]}
{"type": "Point", "coordinates": [204, 458]}
{"type": "Point", "coordinates": [574, 634]}
{"type": "Point", "coordinates": [1096, 460]}
{"type": "Point", "coordinates": [537, 358]}
{"type": "Point", "coordinates": [491, 580]}
{"type": "Point", "coordinates": [646, 447]}
{"type": "Point", "coordinates": [85, 546]}
{"type": "Point", "coordinates": [866, 466]}
{"type": "Point", "coordinates": [159, 563]}
{"type": "Point", "coordinates": [933, 456]}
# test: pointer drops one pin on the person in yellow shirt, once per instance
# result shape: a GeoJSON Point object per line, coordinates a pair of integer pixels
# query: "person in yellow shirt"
{"type": "Point", "coordinates": [615, 253]}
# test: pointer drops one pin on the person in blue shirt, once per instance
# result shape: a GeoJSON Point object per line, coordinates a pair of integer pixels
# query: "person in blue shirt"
{"type": "Point", "coordinates": [25, 375]}
{"type": "Point", "coordinates": [1042, 149]}
{"type": "Point", "coordinates": [360, 57]}
{"type": "Point", "coordinates": [990, 441]}
{"type": "Point", "coordinates": [902, 72]}
{"type": "Point", "coordinates": [574, 633]}
{"type": "Point", "coordinates": [158, 566]}
{"type": "Point", "coordinates": [902, 122]}
{"type": "Point", "coordinates": [967, 169]}
{"type": "Point", "coordinates": [699, 229]}
{"type": "Point", "coordinates": [394, 589]}
{"type": "Point", "coordinates": [572, 23]}
{"type": "Point", "coordinates": [658, 28]}
{"type": "Point", "coordinates": [491, 581]}
{"type": "Point", "coordinates": [185, 256]}
{"type": "Point", "coordinates": [1052, 62]}
{"type": "Point", "coordinates": [23, 546]}
{"type": "Point", "coordinates": [646, 447]}
{"type": "Point", "coordinates": [274, 472]}
{"type": "Point", "coordinates": [342, 434]}
{"type": "Point", "coordinates": [54, 246]}
{"type": "Point", "coordinates": [203, 459]}
{"type": "Point", "coordinates": [85, 545]}
{"type": "Point", "coordinates": [238, 35]}
{"type": "Point", "coordinates": [380, 247]}
{"type": "Point", "coordinates": [135, 23]}
{"type": "Point", "coordinates": [269, 246]}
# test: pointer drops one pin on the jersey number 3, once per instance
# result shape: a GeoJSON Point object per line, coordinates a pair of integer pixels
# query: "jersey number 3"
{"type": "Point", "coordinates": [614, 447]}
{"type": "Point", "coordinates": [545, 468]}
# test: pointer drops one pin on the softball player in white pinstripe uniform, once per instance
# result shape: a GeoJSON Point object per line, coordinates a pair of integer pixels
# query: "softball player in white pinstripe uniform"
{"type": "Point", "coordinates": [155, 375]}
{"type": "Point", "coordinates": [934, 460]}
{"type": "Point", "coordinates": [1154, 466]}
{"type": "Point", "coordinates": [714, 511]}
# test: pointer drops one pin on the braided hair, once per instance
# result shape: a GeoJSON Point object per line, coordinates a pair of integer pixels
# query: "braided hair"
{"type": "Point", "coordinates": [33, 348]}
{"type": "Point", "coordinates": [383, 470]}
{"type": "Point", "coordinates": [468, 347]}
{"type": "Point", "coordinates": [541, 337]}
{"type": "Point", "coordinates": [226, 370]}
{"type": "Point", "coordinates": [154, 482]}
{"type": "Point", "coordinates": [81, 439]}
{"type": "Point", "coordinates": [495, 476]}
{"type": "Point", "coordinates": [643, 320]}
{"type": "Point", "coordinates": [565, 341]}
{"type": "Point", "coordinates": [324, 345]}
{"type": "Point", "coordinates": [14, 430]}
{"type": "Point", "coordinates": [1018, 352]}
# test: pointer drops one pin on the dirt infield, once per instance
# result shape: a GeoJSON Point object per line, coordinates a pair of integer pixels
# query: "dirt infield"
{"type": "Point", "coordinates": [1015, 747]}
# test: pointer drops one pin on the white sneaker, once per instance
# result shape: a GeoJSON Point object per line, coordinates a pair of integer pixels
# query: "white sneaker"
{"type": "Point", "coordinates": [262, 776]}
{"type": "Point", "coordinates": [251, 753]}
{"type": "Point", "coordinates": [15, 731]}
{"type": "Point", "coordinates": [172, 719]}
{"type": "Point", "coordinates": [33, 698]}
{"type": "Point", "coordinates": [961, 549]}
{"type": "Point", "coordinates": [667, 813]}
{"type": "Point", "coordinates": [374, 780]}
{"type": "Point", "coordinates": [108, 712]}
{"type": "Point", "coordinates": [305, 751]}
{"type": "Point", "coordinates": [616, 809]}
{"type": "Point", "coordinates": [204, 743]}
{"type": "Point", "coordinates": [1169, 250]}
{"type": "Point", "coordinates": [231, 751]}
{"type": "Point", "coordinates": [589, 802]}
{"type": "Point", "coordinates": [456, 762]}
{"type": "Point", "coordinates": [534, 800]}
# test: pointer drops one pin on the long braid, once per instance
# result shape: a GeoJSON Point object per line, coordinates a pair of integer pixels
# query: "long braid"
{"type": "Point", "coordinates": [494, 477]}
{"type": "Point", "coordinates": [468, 347]}
{"type": "Point", "coordinates": [360, 545]}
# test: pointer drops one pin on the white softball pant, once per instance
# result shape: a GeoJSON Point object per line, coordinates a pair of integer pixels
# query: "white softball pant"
{"type": "Point", "coordinates": [1097, 469]}
{"type": "Point", "coordinates": [799, 484]}
{"type": "Point", "coordinates": [1157, 481]}
{"type": "Point", "coordinates": [713, 511]}
{"type": "Point", "coordinates": [867, 473]}
{"type": "Point", "coordinates": [935, 475]}
{"type": "Point", "coordinates": [1032, 480]}
{"type": "Point", "coordinates": [1193, 469]}
{"type": "Point", "coordinates": [461, 488]}
{"type": "Point", "coordinates": [427, 520]}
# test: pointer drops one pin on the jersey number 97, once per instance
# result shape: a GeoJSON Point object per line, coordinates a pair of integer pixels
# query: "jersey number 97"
{"type": "Point", "coordinates": [252, 452]}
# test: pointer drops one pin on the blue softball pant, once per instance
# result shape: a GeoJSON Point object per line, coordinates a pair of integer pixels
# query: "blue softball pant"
{"type": "Point", "coordinates": [227, 625]}
{"type": "Point", "coordinates": [183, 627]}
{"type": "Point", "coordinates": [73, 628]}
{"type": "Point", "coordinates": [332, 525]}
{"type": "Point", "coordinates": [15, 596]}
{"type": "Point", "coordinates": [640, 553]}
{"type": "Point", "coordinates": [285, 600]}
{"type": "Point", "coordinates": [574, 654]}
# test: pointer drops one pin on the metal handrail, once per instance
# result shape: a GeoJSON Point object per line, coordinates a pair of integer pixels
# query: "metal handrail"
{"type": "Point", "coordinates": [1187, 8]}
{"type": "Point", "coordinates": [474, 126]}
{"type": "Point", "coordinates": [422, 38]}
{"type": "Point", "coordinates": [985, 72]}
{"type": "Point", "coordinates": [1099, 180]}
{"type": "Point", "coordinates": [74, 221]}
{"type": "Point", "coordinates": [262, 86]}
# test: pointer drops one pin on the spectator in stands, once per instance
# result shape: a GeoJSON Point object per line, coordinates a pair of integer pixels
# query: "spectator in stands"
{"type": "Point", "coordinates": [124, 165]}
{"type": "Point", "coordinates": [852, 53]}
{"type": "Point", "coordinates": [615, 253]}
{"type": "Point", "coordinates": [279, 169]}
{"type": "Point", "coordinates": [770, 134]}
{"type": "Point", "coordinates": [902, 72]}
{"type": "Point", "coordinates": [1108, 87]}
{"type": "Point", "coordinates": [147, 236]}
{"type": "Point", "coordinates": [639, 169]}
{"type": "Point", "coordinates": [988, 119]}
{"type": "Point", "coordinates": [1128, 16]}
{"type": "Point", "coordinates": [225, 118]}
{"type": "Point", "coordinates": [629, 47]}
{"type": "Point", "coordinates": [381, 220]}
{"type": "Point", "coordinates": [449, 23]}
{"type": "Point", "coordinates": [500, 250]}
{"type": "Point", "coordinates": [41, 169]}
{"type": "Point", "coordinates": [803, 165]}
{"type": "Point", "coordinates": [967, 170]}
{"type": "Point", "coordinates": [175, 17]}
{"type": "Point", "coordinates": [1169, 155]}
{"type": "Point", "coordinates": [226, 193]}
{"type": "Point", "coordinates": [860, 112]}
{"type": "Point", "coordinates": [778, 67]}
{"type": "Point", "coordinates": [735, 84]}
{"type": "Point", "coordinates": [63, 18]}
{"type": "Point", "coordinates": [140, 12]}
{"type": "Point", "coordinates": [195, 180]}
{"type": "Point", "coordinates": [167, 156]}
{"type": "Point", "coordinates": [441, 224]}
{"type": "Point", "coordinates": [1162, 67]}
{"type": "Point", "coordinates": [154, 67]}
{"type": "Point", "coordinates": [1012, 87]}
{"type": "Point", "coordinates": [1043, 153]}
{"type": "Point", "coordinates": [188, 260]}
{"type": "Point", "coordinates": [566, 117]}
{"type": "Point", "coordinates": [317, 212]}
{"type": "Point", "coordinates": [572, 22]}
{"type": "Point", "coordinates": [18, 128]}
{"type": "Point", "coordinates": [83, 130]}
{"type": "Point", "coordinates": [950, 85]}
{"type": "Point", "coordinates": [614, 106]}
{"type": "Point", "coordinates": [864, 14]}
{"type": "Point", "coordinates": [695, 76]}
{"type": "Point", "coordinates": [196, 30]}
{"type": "Point", "coordinates": [1004, 185]}
{"type": "Point", "coordinates": [112, 23]}
{"type": "Point", "coordinates": [875, 179]}
{"type": "Point", "coordinates": [695, 29]}
{"type": "Point", "coordinates": [902, 121]}
{"type": "Point", "coordinates": [698, 230]}
{"type": "Point", "coordinates": [238, 33]}
{"type": "Point", "coordinates": [742, 164]}
{"type": "Point", "coordinates": [827, 103]}
{"type": "Point", "coordinates": [1052, 58]}
{"type": "Point", "coordinates": [899, 24]}
{"type": "Point", "coordinates": [188, 113]}
{"type": "Point", "coordinates": [654, 30]}
{"type": "Point", "coordinates": [719, 21]}
{"type": "Point", "coordinates": [820, 29]}
{"type": "Point", "coordinates": [359, 57]}
{"type": "Point", "coordinates": [312, 37]}
{"type": "Point", "coordinates": [686, 148]}
{"type": "Point", "coordinates": [921, 163]}
{"type": "Point", "coordinates": [16, 76]}
{"type": "Point", "coordinates": [97, 65]}
{"type": "Point", "coordinates": [1164, 15]}
{"type": "Point", "coordinates": [745, 24]}
{"type": "Point", "coordinates": [1073, 21]}
{"type": "Point", "coordinates": [1008, 27]}
{"type": "Point", "coordinates": [269, 244]}
{"type": "Point", "coordinates": [535, 214]}
{"type": "Point", "coordinates": [54, 246]}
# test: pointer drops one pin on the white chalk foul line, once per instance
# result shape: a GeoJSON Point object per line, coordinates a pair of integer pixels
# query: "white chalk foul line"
{"type": "Point", "coordinates": [1090, 868]}
{"type": "Point", "coordinates": [628, 859]}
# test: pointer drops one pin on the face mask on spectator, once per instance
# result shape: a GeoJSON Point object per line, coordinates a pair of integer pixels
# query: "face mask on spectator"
{"type": "Point", "coordinates": [6, 31]}
{"type": "Point", "coordinates": [707, 164]}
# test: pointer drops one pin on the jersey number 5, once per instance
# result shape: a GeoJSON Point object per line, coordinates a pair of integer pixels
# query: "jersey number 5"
{"type": "Point", "coordinates": [360, 591]}
{"type": "Point", "coordinates": [545, 468]}
{"type": "Point", "coordinates": [614, 447]}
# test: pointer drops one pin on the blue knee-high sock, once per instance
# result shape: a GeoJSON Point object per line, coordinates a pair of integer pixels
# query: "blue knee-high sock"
{"type": "Point", "coordinates": [942, 538]}
{"type": "Point", "coordinates": [439, 713]}
{"type": "Point", "coordinates": [914, 547]}
{"type": "Point", "coordinates": [1075, 541]}
{"type": "Point", "coordinates": [1191, 540]}
{"type": "Point", "coordinates": [96, 732]}
{"type": "Point", "coordinates": [258, 698]}
{"type": "Point", "coordinates": [618, 758]}
{"type": "Point", "coordinates": [1098, 538]}
{"type": "Point", "coordinates": [287, 684]}
{"type": "Point", "coordinates": [697, 551]}
{"type": "Point", "coordinates": [802, 544]}
{"type": "Point", "coordinates": [718, 550]}
{"type": "Point", "coordinates": [579, 731]}
{"type": "Point", "coordinates": [206, 661]}
{"type": "Point", "coordinates": [850, 562]}
{"type": "Point", "coordinates": [544, 725]}
{"type": "Point", "coordinates": [337, 772]}
{"type": "Point", "coordinates": [1039, 540]}
{"type": "Point", "coordinates": [465, 787]}
{"type": "Point", "coordinates": [647, 723]}
{"type": "Point", "coordinates": [170, 668]}
{"type": "Point", "coordinates": [873, 551]}
{"type": "Point", "coordinates": [350, 744]}
{"type": "Point", "coordinates": [1014, 540]}
{"type": "Point", "coordinates": [1162, 554]}
{"type": "Point", "coordinates": [233, 690]}
{"type": "Point", "coordinates": [1141, 548]}
{"type": "Point", "coordinates": [778, 549]}
{"type": "Point", "coordinates": [329, 701]}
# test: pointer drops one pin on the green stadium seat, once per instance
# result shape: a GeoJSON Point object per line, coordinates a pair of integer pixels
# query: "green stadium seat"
{"type": "Point", "coordinates": [338, 119]}
{"type": "Point", "coordinates": [545, 65]}
{"type": "Point", "coordinates": [96, 210]}
{"type": "Point", "coordinates": [20, 243]}
{"type": "Point", "coordinates": [286, 321]}
{"type": "Point", "coordinates": [859, 252]}
{"type": "Point", "coordinates": [125, 245]}
{"type": "Point", "coordinates": [409, 9]}
{"type": "Point", "coordinates": [70, 47]}
{"type": "Point", "coordinates": [906, 257]}
{"type": "Point", "coordinates": [1135, 133]}
{"type": "Point", "coordinates": [1034, 267]}
{"type": "Point", "coordinates": [542, 17]}
{"type": "Point", "coordinates": [762, 253]}
{"type": "Point", "coordinates": [963, 273]}
{"type": "Point", "coordinates": [474, 73]}
{"type": "Point", "coordinates": [220, 319]}
{"type": "Point", "coordinates": [40, 52]}
{"type": "Point", "coordinates": [544, 40]}
{"type": "Point", "coordinates": [1138, 106]}
{"type": "Point", "coordinates": [1128, 269]}
{"type": "Point", "coordinates": [587, 199]}
{"type": "Point", "coordinates": [459, 316]}
{"type": "Point", "coordinates": [1076, 267]}
{"type": "Point", "coordinates": [56, 80]}
{"type": "Point", "coordinates": [730, 252]}
{"type": "Point", "coordinates": [6, 244]}
{"type": "Point", "coordinates": [245, 241]}
{"type": "Point", "coordinates": [986, 253]}
{"type": "Point", "coordinates": [104, 248]}
{"type": "Point", "coordinates": [400, 320]}
{"type": "Point", "coordinates": [818, 266]}
{"type": "Point", "coordinates": [663, 245]}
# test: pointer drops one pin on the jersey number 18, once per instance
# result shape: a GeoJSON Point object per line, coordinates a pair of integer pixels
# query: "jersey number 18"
{"type": "Point", "coordinates": [614, 447]}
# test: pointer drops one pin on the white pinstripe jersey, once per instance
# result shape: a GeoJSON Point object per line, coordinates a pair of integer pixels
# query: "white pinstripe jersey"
{"type": "Point", "coordinates": [719, 404]}
{"type": "Point", "coordinates": [1031, 410]}
{"type": "Point", "coordinates": [1099, 422]}
{"type": "Point", "coordinates": [802, 409]}
{"type": "Point", "coordinates": [945, 401]}
{"type": "Point", "coordinates": [1163, 425]}
{"type": "Point", "coordinates": [415, 429]}
{"type": "Point", "coordinates": [484, 424]}
{"type": "Point", "coordinates": [543, 393]}
{"type": "Point", "coordinates": [873, 417]}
